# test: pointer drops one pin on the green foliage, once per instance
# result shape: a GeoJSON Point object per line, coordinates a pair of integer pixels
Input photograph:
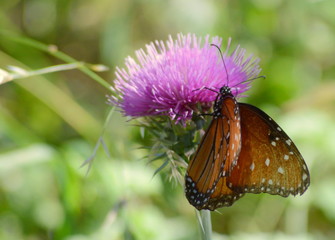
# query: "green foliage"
{"type": "Point", "coordinates": [49, 124]}
{"type": "Point", "coordinates": [171, 143]}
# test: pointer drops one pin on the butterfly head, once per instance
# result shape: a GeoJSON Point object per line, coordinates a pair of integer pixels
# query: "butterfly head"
{"type": "Point", "coordinates": [225, 90]}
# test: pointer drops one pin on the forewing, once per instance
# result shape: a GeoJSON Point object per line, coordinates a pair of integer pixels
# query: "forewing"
{"type": "Point", "coordinates": [205, 183]}
{"type": "Point", "coordinates": [206, 166]}
{"type": "Point", "coordinates": [214, 159]}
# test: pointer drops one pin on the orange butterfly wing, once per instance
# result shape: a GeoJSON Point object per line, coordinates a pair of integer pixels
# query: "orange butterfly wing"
{"type": "Point", "coordinates": [205, 186]}
{"type": "Point", "coordinates": [269, 161]}
{"type": "Point", "coordinates": [243, 151]}
{"type": "Point", "coordinates": [222, 196]}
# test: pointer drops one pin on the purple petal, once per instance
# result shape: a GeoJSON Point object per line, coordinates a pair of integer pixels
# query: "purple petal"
{"type": "Point", "coordinates": [168, 77]}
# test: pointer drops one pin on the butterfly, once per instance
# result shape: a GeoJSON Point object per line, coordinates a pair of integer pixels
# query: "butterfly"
{"type": "Point", "coordinates": [243, 151]}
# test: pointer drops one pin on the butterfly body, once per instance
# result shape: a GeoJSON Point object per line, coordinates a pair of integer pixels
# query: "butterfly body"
{"type": "Point", "coordinates": [243, 151]}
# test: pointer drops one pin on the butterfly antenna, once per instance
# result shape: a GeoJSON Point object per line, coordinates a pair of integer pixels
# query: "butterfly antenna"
{"type": "Point", "coordinates": [249, 80]}
{"type": "Point", "coordinates": [224, 64]}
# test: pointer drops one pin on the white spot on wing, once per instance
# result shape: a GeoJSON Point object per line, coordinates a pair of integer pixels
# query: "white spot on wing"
{"type": "Point", "coordinates": [267, 162]}
{"type": "Point", "coordinates": [281, 170]}
{"type": "Point", "coordinates": [252, 166]}
{"type": "Point", "coordinates": [286, 157]}
{"type": "Point", "coordinates": [273, 143]}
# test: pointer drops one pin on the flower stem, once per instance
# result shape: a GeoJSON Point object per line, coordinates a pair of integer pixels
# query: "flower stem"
{"type": "Point", "coordinates": [204, 218]}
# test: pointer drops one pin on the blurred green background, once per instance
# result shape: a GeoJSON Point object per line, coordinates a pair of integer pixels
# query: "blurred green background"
{"type": "Point", "coordinates": [49, 124]}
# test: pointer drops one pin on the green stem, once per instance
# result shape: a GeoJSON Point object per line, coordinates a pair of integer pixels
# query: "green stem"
{"type": "Point", "coordinates": [56, 68]}
{"type": "Point", "coordinates": [205, 222]}
{"type": "Point", "coordinates": [52, 50]}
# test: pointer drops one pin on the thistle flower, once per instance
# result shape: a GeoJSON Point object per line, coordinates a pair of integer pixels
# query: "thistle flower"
{"type": "Point", "coordinates": [168, 77]}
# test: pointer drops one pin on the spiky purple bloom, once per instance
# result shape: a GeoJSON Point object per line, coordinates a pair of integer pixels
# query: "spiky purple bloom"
{"type": "Point", "coordinates": [170, 77]}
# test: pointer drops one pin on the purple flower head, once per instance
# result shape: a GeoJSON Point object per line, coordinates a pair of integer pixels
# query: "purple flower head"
{"type": "Point", "coordinates": [168, 78]}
